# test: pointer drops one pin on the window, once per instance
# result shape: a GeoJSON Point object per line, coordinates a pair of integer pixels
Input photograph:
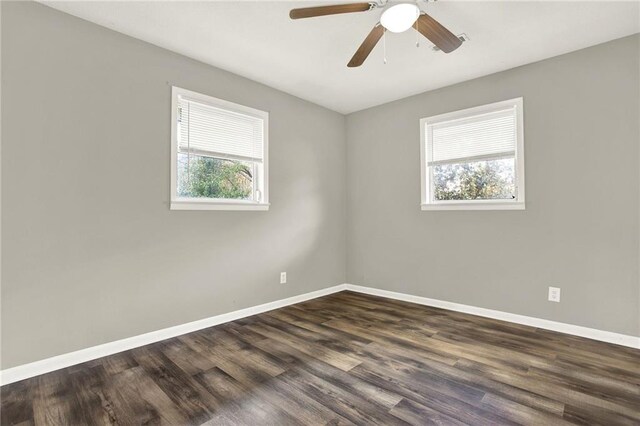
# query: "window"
{"type": "Point", "coordinates": [218, 154]}
{"type": "Point", "coordinates": [474, 159]}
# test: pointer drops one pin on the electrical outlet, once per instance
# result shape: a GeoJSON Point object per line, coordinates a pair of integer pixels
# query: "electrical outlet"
{"type": "Point", "coordinates": [554, 294]}
{"type": "Point", "coordinates": [283, 277]}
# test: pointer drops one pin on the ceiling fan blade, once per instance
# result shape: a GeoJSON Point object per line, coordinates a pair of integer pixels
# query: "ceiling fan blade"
{"type": "Point", "coordinates": [367, 46]}
{"type": "Point", "coordinates": [310, 12]}
{"type": "Point", "coordinates": [444, 39]}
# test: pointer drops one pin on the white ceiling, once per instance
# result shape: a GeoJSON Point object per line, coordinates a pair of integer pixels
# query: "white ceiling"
{"type": "Point", "coordinates": [308, 57]}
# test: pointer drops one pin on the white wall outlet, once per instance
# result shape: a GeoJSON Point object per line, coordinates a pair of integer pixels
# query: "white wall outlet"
{"type": "Point", "coordinates": [283, 277]}
{"type": "Point", "coordinates": [554, 294]}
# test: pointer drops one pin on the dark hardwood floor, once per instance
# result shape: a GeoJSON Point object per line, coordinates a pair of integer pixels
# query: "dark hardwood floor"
{"type": "Point", "coordinates": [346, 358]}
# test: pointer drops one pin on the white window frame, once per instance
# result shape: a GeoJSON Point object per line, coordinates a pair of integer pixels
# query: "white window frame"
{"type": "Point", "coordinates": [183, 203]}
{"type": "Point", "coordinates": [426, 181]}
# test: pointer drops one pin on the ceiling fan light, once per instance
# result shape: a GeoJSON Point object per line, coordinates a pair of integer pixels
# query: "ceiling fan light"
{"type": "Point", "coordinates": [400, 17]}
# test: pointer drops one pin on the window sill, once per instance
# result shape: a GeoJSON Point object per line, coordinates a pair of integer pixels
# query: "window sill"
{"type": "Point", "coordinates": [474, 206]}
{"type": "Point", "coordinates": [218, 205]}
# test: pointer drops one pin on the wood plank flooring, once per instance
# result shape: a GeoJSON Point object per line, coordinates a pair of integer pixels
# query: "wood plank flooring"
{"type": "Point", "coordinates": [345, 359]}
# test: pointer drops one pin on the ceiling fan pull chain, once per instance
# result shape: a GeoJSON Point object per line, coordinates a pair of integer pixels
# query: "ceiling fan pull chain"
{"type": "Point", "coordinates": [417, 34]}
{"type": "Point", "coordinates": [384, 46]}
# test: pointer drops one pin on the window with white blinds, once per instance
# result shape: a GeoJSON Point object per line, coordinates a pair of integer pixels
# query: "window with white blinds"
{"type": "Point", "coordinates": [474, 158]}
{"type": "Point", "coordinates": [488, 135]}
{"type": "Point", "coordinates": [219, 132]}
{"type": "Point", "coordinates": [219, 154]}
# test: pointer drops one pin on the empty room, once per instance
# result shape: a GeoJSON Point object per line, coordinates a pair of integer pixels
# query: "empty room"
{"type": "Point", "coordinates": [320, 212]}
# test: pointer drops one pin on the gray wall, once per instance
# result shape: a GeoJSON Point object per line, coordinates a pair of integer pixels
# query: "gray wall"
{"type": "Point", "coordinates": [580, 229]}
{"type": "Point", "coordinates": [91, 252]}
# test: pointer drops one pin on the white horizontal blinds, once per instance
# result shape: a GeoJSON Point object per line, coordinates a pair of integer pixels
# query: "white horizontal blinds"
{"type": "Point", "coordinates": [216, 132]}
{"type": "Point", "coordinates": [484, 136]}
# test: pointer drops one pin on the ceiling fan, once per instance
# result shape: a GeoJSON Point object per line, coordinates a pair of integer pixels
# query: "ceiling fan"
{"type": "Point", "coordinates": [397, 18]}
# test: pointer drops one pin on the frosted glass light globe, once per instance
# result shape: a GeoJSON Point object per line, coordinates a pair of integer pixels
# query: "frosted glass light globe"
{"type": "Point", "coordinates": [400, 17]}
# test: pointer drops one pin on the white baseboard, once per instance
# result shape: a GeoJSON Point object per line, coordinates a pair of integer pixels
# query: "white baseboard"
{"type": "Point", "coordinates": [576, 330]}
{"type": "Point", "coordinates": [36, 368]}
{"type": "Point", "coordinates": [26, 371]}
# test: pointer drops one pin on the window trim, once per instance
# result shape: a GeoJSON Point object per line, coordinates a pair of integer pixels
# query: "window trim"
{"type": "Point", "coordinates": [182, 203]}
{"type": "Point", "coordinates": [426, 181]}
